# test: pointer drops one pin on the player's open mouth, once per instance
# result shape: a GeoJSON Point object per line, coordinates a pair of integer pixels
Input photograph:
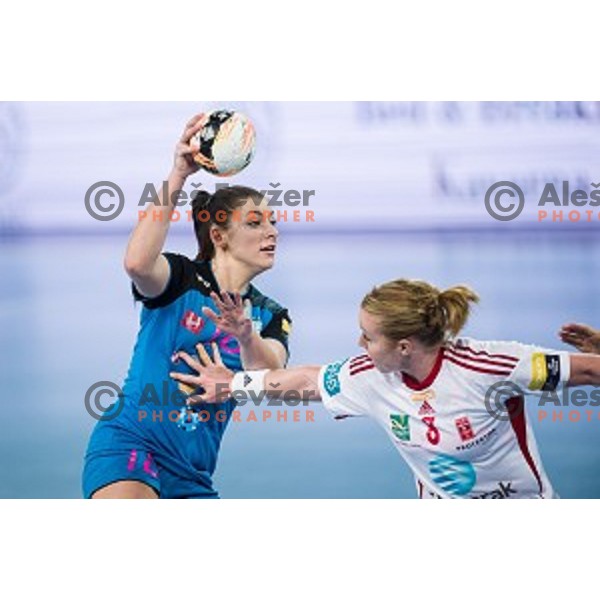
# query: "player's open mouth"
{"type": "Point", "coordinates": [269, 249]}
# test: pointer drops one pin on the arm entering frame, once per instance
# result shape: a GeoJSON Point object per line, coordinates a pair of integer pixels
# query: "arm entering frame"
{"type": "Point", "coordinates": [220, 383]}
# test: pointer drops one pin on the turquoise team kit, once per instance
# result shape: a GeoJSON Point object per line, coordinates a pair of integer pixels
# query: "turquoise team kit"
{"type": "Point", "coordinates": [144, 442]}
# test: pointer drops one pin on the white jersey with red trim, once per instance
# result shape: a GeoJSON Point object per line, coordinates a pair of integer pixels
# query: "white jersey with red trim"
{"type": "Point", "coordinates": [454, 429]}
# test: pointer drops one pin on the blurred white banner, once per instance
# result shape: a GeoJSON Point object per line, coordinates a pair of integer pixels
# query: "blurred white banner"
{"type": "Point", "coordinates": [372, 165]}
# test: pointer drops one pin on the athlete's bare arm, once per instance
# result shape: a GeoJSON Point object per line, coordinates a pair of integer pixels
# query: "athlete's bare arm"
{"type": "Point", "coordinates": [216, 379]}
{"type": "Point", "coordinates": [585, 369]}
{"type": "Point", "coordinates": [143, 262]}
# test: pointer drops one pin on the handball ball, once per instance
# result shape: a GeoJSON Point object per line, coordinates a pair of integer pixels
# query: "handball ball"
{"type": "Point", "coordinates": [225, 145]}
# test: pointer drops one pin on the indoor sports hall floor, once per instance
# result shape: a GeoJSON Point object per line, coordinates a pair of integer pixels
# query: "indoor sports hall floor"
{"type": "Point", "coordinates": [67, 321]}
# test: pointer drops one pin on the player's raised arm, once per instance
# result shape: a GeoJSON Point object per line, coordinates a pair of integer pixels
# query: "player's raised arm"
{"type": "Point", "coordinates": [220, 383]}
{"type": "Point", "coordinates": [144, 263]}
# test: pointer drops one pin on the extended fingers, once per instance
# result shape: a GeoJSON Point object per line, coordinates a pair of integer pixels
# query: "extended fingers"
{"type": "Point", "coordinates": [191, 362]}
{"type": "Point", "coordinates": [224, 302]}
{"type": "Point", "coordinates": [193, 380]}
{"type": "Point", "coordinates": [183, 149]}
{"type": "Point", "coordinates": [192, 126]}
{"type": "Point", "coordinates": [203, 355]}
{"type": "Point", "coordinates": [211, 314]}
{"type": "Point", "coordinates": [218, 300]}
{"type": "Point", "coordinates": [228, 303]}
{"type": "Point", "coordinates": [237, 300]}
{"type": "Point", "coordinates": [217, 355]}
{"type": "Point", "coordinates": [578, 328]}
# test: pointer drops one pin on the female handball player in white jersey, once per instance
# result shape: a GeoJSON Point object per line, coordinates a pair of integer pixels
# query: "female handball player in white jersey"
{"type": "Point", "coordinates": [452, 406]}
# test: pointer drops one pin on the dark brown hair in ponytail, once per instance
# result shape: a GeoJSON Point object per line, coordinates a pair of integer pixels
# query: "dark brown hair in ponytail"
{"type": "Point", "coordinates": [216, 209]}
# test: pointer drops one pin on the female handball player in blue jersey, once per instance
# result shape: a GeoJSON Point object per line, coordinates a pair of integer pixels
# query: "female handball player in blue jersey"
{"type": "Point", "coordinates": [155, 447]}
{"type": "Point", "coordinates": [452, 406]}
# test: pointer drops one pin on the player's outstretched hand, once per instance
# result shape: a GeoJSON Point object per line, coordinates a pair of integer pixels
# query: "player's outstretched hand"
{"type": "Point", "coordinates": [232, 318]}
{"type": "Point", "coordinates": [184, 164]}
{"type": "Point", "coordinates": [212, 375]}
{"type": "Point", "coordinates": [583, 337]}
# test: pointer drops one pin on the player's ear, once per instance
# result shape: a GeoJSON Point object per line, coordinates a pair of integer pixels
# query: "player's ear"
{"type": "Point", "coordinates": [404, 347]}
{"type": "Point", "coordinates": [218, 237]}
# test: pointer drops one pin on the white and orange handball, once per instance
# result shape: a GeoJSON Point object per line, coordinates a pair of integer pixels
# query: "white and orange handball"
{"type": "Point", "coordinates": [225, 145]}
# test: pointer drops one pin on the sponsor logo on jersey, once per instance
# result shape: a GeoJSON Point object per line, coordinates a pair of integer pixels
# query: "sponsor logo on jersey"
{"type": "Point", "coordinates": [424, 396]}
{"type": "Point", "coordinates": [192, 322]}
{"type": "Point", "coordinates": [286, 326]}
{"type": "Point", "coordinates": [400, 426]}
{"type": "Point", "coordinates": [202, 281]}
{"type": "Point", "coordinates": [482, 439]}
{"type": "Point", "coordinates": [426, 409]}
{"type": "Point", "coordinates": [465, 431]}
{"type": "Point", "coordinates": [331, 378]}
{"type": "Point", "coordinates": [553, 368]}
{"type": "Point", "coordinates": [456, 477]}
{"type": "Point", "coordinates": [504, 490]}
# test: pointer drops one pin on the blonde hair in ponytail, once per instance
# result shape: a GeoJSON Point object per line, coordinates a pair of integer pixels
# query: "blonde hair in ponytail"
{"type": "Point", "coordinates": [408, 307]}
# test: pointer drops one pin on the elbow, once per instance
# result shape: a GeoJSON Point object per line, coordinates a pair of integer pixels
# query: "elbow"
{"type": "Point", "coordinates": [133, 266]}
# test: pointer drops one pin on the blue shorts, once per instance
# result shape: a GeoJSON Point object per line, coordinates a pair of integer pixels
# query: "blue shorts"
{"type": "Point", "coordinates": [102, 469]}
{"type": "Point", "coordinates": [116, 454]}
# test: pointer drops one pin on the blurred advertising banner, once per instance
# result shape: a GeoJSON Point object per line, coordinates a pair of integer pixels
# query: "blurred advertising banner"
{"type": "Point", "coordinates": [327, 166]}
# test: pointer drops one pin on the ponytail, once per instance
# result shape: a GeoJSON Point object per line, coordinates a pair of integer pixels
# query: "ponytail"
{"type": "Point", "coordinates": [455, 303]}
{"type": "Point", "coordinates": [416, 308]}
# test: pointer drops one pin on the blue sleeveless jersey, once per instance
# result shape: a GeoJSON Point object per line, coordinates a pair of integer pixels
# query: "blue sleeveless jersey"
{"type": "Point", "coordinates": [172, 322]}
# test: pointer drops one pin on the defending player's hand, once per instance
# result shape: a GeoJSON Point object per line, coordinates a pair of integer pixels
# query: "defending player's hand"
{"type": "Point", "coordinates": [184, 165]}
{"type": "Point", "coordinates": [232, 318]}
{"type": "Point", "coordinates": [583, 337]}
{"type": "Point", "coordinates": [212, 375]}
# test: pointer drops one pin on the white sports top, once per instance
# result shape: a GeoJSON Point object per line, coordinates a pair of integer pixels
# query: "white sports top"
{"type": "Point", "coordinates": [462, 430]}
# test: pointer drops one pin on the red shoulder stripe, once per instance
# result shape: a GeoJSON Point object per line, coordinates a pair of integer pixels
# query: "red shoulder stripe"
{"type": "Point", "coordinates": [471, 367]}
{"type": "Point", "coordinates": [470, 350]}
{"type": "Point", "coordinates": [503, 363]}
{"type": "Point", "coordinates": [360, 369]}
{"type": "Point", "coordinates": [357, 360]}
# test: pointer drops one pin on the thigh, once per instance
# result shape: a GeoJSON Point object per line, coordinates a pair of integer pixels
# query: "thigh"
{"type": "Point", "coordinates": [124, 473]}
{"type": "Point", "coordinates": [128, 489]}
